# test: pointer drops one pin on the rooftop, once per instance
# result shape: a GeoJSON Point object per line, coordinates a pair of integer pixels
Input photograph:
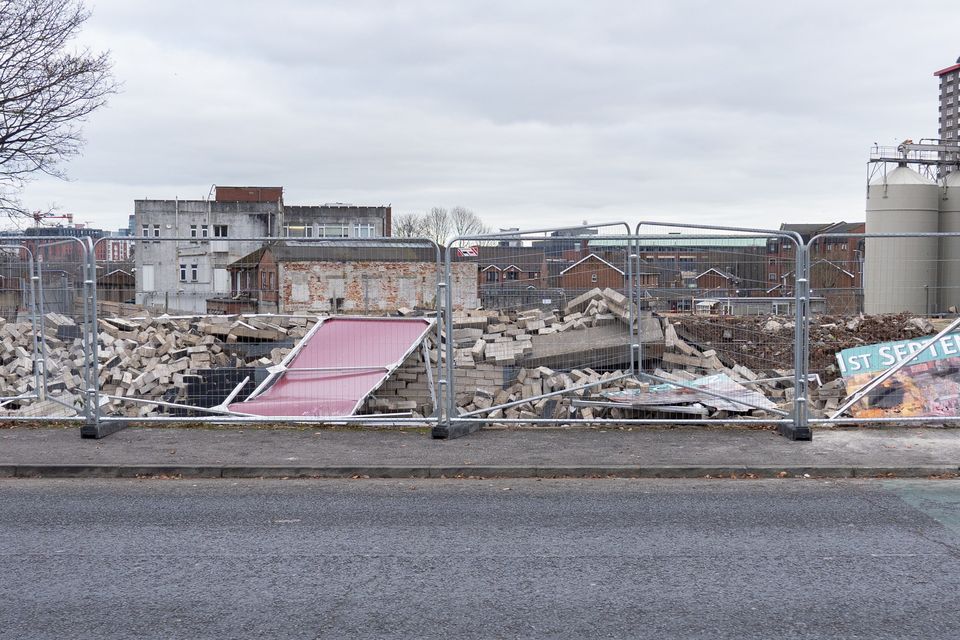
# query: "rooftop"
{"type": "Point", "coordinates": [340, 251]}
{"type": "Point", "coordinates": [946, 70]}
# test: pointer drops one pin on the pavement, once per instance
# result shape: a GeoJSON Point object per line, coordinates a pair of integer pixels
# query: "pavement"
{"type": "Point", "coordinates": [654, 452]}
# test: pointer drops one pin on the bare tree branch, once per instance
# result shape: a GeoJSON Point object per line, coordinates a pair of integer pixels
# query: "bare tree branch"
{"type": "Point", "coordinates": [439, 224]}
{"type": "Point", "coordinates": [408, 225]}
{"type": "Point", "coordinates": [47, 89]}
{"type": "Point", "coordinates": [436, 225]}
{"type": "Point", "coordinates": [467, 223]}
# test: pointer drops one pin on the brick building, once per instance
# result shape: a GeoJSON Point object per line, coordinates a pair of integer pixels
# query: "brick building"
{"type": "Point", "coordinates": [591, 272]}
{"type": "Point", "coordinates": [717, 282]}
{"type": "Point", "coordinates": [836, 265]}
{"type": "Point", "coordinates": [191, 270]}
{"type": "Point", "coordinates": [341, 278]}
{"type": "Point", "coordinates": [510, 276]}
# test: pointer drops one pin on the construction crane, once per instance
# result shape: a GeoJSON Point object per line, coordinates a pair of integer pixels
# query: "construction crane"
{"type": "Point", "coordinates": [40, 216]}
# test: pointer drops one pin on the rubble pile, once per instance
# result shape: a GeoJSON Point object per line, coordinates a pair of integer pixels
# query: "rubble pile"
{"type": "Point", "coordinates": [148, 358]}
{"type": "Point", "coordinates": [493, 351]}
{"type": "Point", "coordinates": [510, 358]}
{"type": "Point", "coordinates": [764, 341]}
{"type": "Point", "coordinates": [753, 354]}
{"type": "Point", "coordinates": [503, 338]}
{"type": "Point", "coordinates": [530, 383]}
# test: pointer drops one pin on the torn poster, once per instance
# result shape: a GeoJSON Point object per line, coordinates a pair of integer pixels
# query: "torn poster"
{"type": "Point", "coordinates": [928, 386]}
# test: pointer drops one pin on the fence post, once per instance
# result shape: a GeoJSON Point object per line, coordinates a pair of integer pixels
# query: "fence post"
{"type": "Point", "coordinates": [447, 426]}
{"type": "Point", "coordinates": [628, 290]}
{"type": "Point", "coordinates": [444, 354]}
{"type": "Point", "coordinates": [38, 355]}
{"type": "Point", "coordinates": [92, 427]}
{"type": "Point", "coordinates": [800, 428]}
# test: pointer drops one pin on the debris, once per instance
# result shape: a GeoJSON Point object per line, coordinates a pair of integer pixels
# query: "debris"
{"type": "Point", "coordinates": [672, 394]}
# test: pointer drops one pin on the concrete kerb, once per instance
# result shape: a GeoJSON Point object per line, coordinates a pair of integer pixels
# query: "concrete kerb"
{"type": "Point", "coordinates": [134, 471]}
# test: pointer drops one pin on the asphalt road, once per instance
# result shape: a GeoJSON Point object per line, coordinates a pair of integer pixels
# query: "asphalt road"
{"type": "Point", "coordinates": [479, 559]}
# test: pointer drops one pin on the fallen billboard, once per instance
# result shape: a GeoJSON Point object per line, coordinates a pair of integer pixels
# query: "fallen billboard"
{"type": "Point", "coordinates": [335, 367]}
{"type": "Point", "coordinates": [929, 385]}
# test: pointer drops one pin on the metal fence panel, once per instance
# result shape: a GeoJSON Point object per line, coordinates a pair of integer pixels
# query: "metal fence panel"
{"type": "Point", "coordinates": [552, 323]}
{"type": "Point", "coordinates": [583, 326]}
{"type": "Point", "coordinates": [890, 328]}
{"type": "Point", "coordinates": [46, 366]}
{"type": "Point", "coordinates": [190, 327]}
{"type": "Point", "coordinates": [727, 302]}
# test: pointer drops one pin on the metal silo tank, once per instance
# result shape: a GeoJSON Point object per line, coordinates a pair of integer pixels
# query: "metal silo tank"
{"type": "Point", "coordinates": [900, 274]}
{"type": "Point", "coordinates": [950, 247]}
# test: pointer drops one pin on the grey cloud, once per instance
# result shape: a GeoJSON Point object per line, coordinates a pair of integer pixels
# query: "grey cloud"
{"type": "Point", "coordinates": [541, 111]}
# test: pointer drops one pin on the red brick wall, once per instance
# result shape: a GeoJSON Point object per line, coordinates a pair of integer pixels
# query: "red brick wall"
{"type": "Point", "coordinates": [268, 266]}
{"type": "Point", "coordinates": [714, 281]}
{"type": "Point", "coordinates": [581, 276]}
{"type": "Point", "coordinates": [248, 194]}
{"type": "Point", "coordinates": [370, 286]}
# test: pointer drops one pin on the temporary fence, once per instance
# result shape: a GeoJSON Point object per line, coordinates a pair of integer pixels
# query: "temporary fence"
{"type": "Point", "coordinates": [655, 323]}
{"type": "Point", "coordinates": [729, 312]}
{"type": "Point", "coordinates": [888, 349]}
{"type": "Point", "coordinates": [523, 358]}
{"type": "Point", "coordinates": [47, 365]}
{"type": "Point", "coordinates": [624, 340]}
{"type": "Point", "coordinates": [269, 330]}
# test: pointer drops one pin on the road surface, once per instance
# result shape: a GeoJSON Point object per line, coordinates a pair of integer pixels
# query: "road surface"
{"type": "Point", "coordinates": [479, 559]}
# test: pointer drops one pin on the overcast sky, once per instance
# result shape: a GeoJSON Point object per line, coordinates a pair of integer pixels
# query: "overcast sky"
{"type": "Point", "coordinates": [532, 113]}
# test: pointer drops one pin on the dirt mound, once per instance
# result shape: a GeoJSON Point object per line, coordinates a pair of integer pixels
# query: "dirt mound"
{"type": "Point", "coordinates": [767, 342]}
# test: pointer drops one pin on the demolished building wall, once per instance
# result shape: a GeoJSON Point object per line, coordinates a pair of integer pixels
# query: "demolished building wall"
{"type": "Point", "coordinates": [370, 287]}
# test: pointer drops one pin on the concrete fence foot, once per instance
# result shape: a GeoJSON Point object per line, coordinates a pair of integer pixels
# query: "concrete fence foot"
{"type": "Point", "coordinates": [793, 432]}
{"type": "Point", "coordinates": [449, 431]}
{"type": "Point", "coordinates": [99, 430]}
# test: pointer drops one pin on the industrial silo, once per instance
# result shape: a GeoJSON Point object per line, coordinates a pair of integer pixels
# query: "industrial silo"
{"type": "Point", "coordinates": [900, 274]}
{"type": "Point", "coordinates": [950, 247]}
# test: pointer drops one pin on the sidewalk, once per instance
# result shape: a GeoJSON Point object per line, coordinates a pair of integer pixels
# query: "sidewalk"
{"type": "Point", "coordinates": [682, 452]}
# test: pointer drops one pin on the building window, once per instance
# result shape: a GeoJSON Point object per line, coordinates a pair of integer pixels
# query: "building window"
{"type": "Point", "coordinates": [491, 276]}
{"type": "Point", "coordinates": [513, 275]}
{"type": "Point", "coordinates": [183, 273]}
{"type": "Point", "coordinates": [593, 277]}
{"type": "Point", "coordinates": [772, 277]}
{"type": "Point", "coordinates": [298, 231]}
{"type": "Point", "coordinates": [219, 231]}
{"type": "Point", "coordinates": [193, 273]}
{"type": "Point", "coordinates": [264, 280]}
{"type": "Point", "coordinates": [193, 231]}
{"type": "Point", "coordinates": [532, 275]}
{"type": "Point", "coordinates": [363, 230]}
{"type": "Point", "coordinates": [205, 231]}
{"type": "Point", "coordinates": [156, 231]}
{"type": "Point", "coordinates": [333, 231]}
{"type": "Point", "coordinates": [146, 231]}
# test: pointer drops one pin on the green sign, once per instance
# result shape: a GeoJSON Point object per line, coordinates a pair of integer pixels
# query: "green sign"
{"type": "Point", "coordinates": [876, 358]}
